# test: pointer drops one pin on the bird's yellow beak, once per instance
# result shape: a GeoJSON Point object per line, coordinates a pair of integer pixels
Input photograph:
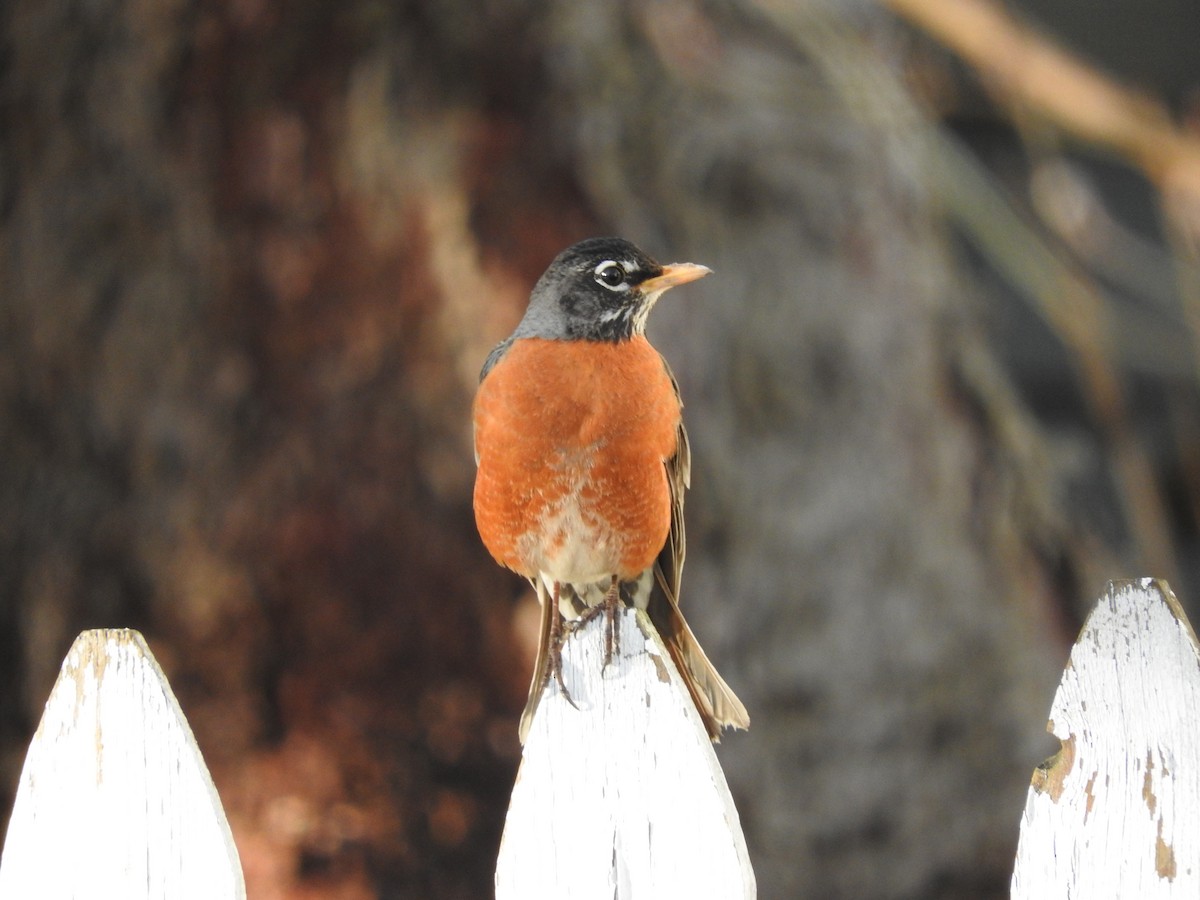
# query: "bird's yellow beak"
{"type": "Point", "coordinates": [673, 274]}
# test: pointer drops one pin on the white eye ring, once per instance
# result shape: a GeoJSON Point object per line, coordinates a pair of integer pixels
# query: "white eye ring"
{"type": "Point", "coordinates": [611, 275]}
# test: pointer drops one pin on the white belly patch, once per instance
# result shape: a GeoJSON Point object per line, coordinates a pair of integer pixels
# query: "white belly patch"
{"type": "Point", "coordinates": [573, 545]}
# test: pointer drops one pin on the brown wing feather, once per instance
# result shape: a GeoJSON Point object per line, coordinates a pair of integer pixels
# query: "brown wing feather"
{"type": "Point", "coordinates": [717, 704]}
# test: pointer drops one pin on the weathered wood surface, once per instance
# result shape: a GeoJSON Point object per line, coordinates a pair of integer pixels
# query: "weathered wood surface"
{"type": "Point", "coordinates": [115, 799]}
{"type": "Point", "coordinates": [1116, 813]}
{"type": "Point", "coordinates": [623, 796]}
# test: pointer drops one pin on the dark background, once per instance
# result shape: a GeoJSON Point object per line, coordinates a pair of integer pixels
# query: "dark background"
{"type": "Point", "coordinates": [940, 389]}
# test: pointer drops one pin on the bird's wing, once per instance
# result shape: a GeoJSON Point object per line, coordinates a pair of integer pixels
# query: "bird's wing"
{"type": "Point", "coordinates": [679, 479]}
{"type": "Point", "coordinates": [717, 704]}
{"type": "Point", "coordinates": [494, 357]}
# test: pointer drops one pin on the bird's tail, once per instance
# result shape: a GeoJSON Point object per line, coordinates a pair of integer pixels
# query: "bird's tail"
{"type": "Point", "coordinates": [541, 662]}
{"type": "Point", "coordinates": [716, 702]}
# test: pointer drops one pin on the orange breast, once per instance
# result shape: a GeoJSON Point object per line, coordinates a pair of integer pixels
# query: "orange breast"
{"type": "Point", "coordinates": [571, 438]}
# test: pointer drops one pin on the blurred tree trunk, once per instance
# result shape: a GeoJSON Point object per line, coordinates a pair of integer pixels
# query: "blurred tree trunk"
{"type": "Point", "coordinates": [253, 255]}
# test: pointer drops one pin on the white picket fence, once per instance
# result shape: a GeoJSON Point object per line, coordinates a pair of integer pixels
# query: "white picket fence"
{"type": "Point", "coordinates": [621, 795]}
{"type": "Point", "coordinates": [1116, 813]}
{"type": "Point", "coordinates": [115, 800]}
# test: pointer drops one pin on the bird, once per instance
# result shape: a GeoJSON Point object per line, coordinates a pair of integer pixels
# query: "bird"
{"type": "Point", "coordinates": [582, 460]}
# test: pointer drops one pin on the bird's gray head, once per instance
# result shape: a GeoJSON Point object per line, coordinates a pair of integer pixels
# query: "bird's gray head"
{"type": "Point", "coordinates": [601, 289]}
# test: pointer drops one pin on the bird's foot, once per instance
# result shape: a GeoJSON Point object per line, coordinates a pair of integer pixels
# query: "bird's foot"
{"type": "Point", "coordinates": [608, 606]}
{"type": "Point", "coordinates": [612, 635]}
{"type": "Point", "coordinates": [554, 648]}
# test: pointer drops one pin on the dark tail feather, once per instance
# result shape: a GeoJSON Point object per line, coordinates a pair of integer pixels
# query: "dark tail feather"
{"type": "Point", "coordinates": [716, 702]}
{"type": "Point", "coordinates": [538, 680]}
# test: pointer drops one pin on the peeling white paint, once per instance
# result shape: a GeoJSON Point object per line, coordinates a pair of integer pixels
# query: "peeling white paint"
{"type": "Point", "coordinates": [623, 796]}
{"type": "Point", "coordinates": [1119, 815]}
{"type": "Point", "coordinates": [114, 799]}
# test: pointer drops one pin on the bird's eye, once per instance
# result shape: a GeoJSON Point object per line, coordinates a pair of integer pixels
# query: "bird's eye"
{"type": "Point", "coordinates": [610, 274]}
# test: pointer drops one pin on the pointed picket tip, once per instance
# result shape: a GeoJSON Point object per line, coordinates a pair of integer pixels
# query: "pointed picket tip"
{"type": "Point", "coordinates": [1116, 813]}
{"type": "Point", "coordinates": [114, 798]}
{"type": "Point", "coordinates": [621, 795]}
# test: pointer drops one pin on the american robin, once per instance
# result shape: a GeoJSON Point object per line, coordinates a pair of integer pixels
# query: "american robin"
{"type": "Point", "coordinates": [583, 460]}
